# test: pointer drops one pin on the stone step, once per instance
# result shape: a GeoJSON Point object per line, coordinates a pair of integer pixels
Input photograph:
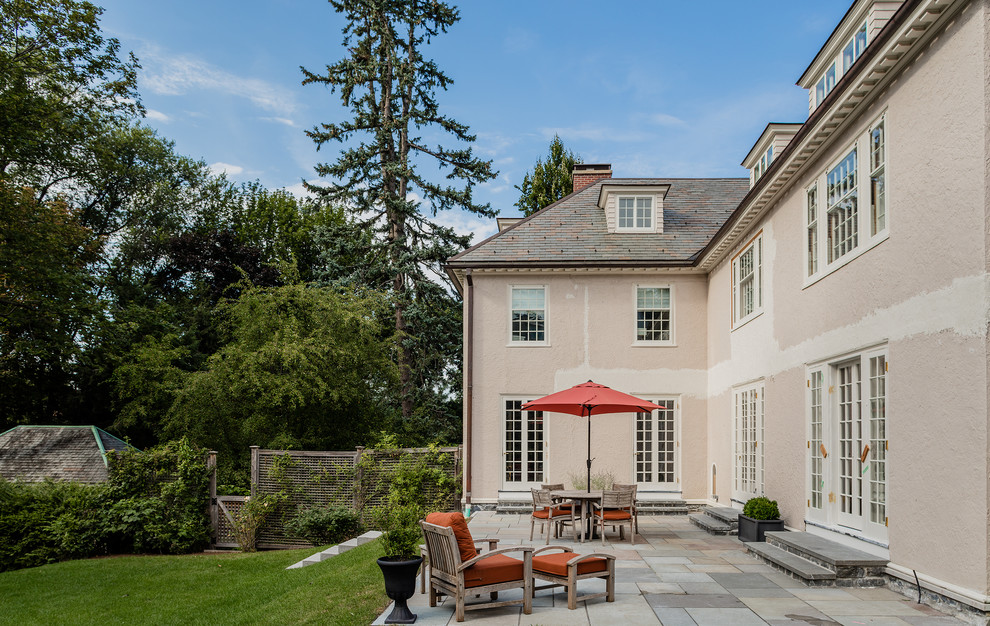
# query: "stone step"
{"type": "Point", "coordinates": [711, 525]}
{"type": "Point", "coordinates": [510, 506]}
{"type": "Point", "coordinates": [725, 514]}
{"type": "Point", "coordinates": [846, 562]}
{"type": "Point", "coordinates": [811, 574]}
{"type": "Point", "coordinates": [662, 507]}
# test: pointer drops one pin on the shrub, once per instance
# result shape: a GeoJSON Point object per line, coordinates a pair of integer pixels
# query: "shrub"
{"type": "Point", "coordinates": [761, 508]}
{"type": "Point", "coordinates": [401, 533]}
{"type": "Point", "coordinates": [248, 521]}
{"type": "Point", "coordinates": [325, 525]}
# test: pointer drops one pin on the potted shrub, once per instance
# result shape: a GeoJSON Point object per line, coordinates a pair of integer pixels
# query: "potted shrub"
{"type": "Point", "coordinates": [401, 536]}
{"type": "Point", "coordinates": [759, 516]}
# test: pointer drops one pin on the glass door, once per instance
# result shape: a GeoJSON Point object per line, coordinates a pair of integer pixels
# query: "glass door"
{"type": "Point", "coordinates": [524, 454]}
{"type": "Point", "coordinates": [657, 447]}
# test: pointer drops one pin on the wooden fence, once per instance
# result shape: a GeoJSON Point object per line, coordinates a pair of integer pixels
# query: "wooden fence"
{"type": "Point", "coordinates": [317, 479]}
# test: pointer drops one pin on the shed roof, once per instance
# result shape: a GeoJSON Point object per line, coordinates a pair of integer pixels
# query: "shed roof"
{"type": "Point", "coordinates": [75, 453]}
{"type": "Point", "coordinates": [573, 230]}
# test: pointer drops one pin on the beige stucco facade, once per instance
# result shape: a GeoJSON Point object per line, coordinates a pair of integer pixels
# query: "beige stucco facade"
{"type": "Point", "coordinates": [900, 321]}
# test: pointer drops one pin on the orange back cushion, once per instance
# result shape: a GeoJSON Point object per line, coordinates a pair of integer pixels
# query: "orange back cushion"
{"type": "Point", "coordinates": [456, 522]}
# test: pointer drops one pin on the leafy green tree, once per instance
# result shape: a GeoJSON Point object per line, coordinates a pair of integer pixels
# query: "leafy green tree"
{"type": "Point", "coordinates": [303, 368]}
{"type": "Point", "coordinates": [549, 181]}
{"type": "Point", "coordinates": [58, 77]}
{"type": "Point", "coordinates": [45, 297]}
{"type": "Point", "coordinates": [390, 89]}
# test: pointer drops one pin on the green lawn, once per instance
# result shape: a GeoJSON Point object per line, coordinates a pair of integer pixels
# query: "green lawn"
{"type": "Point", "coordinates": [204, 588]}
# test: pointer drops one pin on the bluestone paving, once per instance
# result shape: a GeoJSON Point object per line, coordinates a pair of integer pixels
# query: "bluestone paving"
{"type": "Point", "coordinates": [676, 574]}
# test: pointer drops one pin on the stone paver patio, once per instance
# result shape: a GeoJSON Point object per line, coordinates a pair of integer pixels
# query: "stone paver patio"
{"type": "Point", "coordinates": [678, 574]}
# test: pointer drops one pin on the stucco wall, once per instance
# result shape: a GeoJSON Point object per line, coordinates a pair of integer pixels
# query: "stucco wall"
{"type": "Point", "coordinates": [922, 292]}
{"type": "Point", "coordinates": [591, 331]}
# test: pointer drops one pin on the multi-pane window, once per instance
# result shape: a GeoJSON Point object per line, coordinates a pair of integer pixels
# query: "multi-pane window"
{"type": "Point", "coordinates": [854, 48]}
{"type": "Point", "coordinates": [635, 213]}
{"type": "Point", "coordinates": [656, 444]}
{"type": "Point", "coordinates": [841, 64]}
{"type": "Point", "coordinates": [747, 281]}
{"type": "Point", "coordinates": [816, 443]}
{"type": "Point", "coordinates": [529, 310]}
{"type": "Point", "coordinates": [878, 440]}
{"type": "Point", "coordinates": [812, 230]}
{"type": "Point", "coordinates": [849, 431]}
{"type": "Point", "coordinates": [762, 165]}
{"type": "Point", "coordinates": [843, 210]}
{"type": "Point", "coordinates": [844, 231]}
{"type": "Point", "coordinates": [878, 200]}
{"type": "Point", "coordinates": [748, 466]}
{"type": "Point", "coordinates": [653, 314]}
{"type": "Point", "coordinates": [524, 450]}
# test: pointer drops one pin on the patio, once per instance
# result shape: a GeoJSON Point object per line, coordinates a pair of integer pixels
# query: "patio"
{"type": "Point", "coordinates": [677, 574]}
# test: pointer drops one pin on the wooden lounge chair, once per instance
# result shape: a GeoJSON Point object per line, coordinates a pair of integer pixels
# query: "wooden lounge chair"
{"type": "Point", "coordinates": [616, 510]}
{"type": "Point", "coordinates": [565, 568]}
{"type": "Point", "coordinates": [457, 570]}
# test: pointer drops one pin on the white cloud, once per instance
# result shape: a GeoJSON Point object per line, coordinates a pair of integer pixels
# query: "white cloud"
{"type": "Point", "coordinates": [279, 120]}
{"type": "Point", "coordinates": [157, 116]}
{"type": "Point", "coordinates": [225, 168]}
{"type": "Point", "coordinates": [464, 223]}
{"type": "Point", "coordinates": [663, 119]}
{"type": "Point", "coordinates": [299, 190]}
{"type": "Point", "coordinates": [175, 76]}
{"type": "Point", "coordinates": [596, 134]}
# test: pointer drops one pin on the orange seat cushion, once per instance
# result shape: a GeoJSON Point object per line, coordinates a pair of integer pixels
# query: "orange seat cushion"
{"type": "Point", "coordinates": [614, 514]}
{"type": "Point", "coordinates": [556, 564]}
{"type": "Point", "coordinates": [557, 512]}
{"type": "Point", "coordinates": [456, 522]}
{"type": "Point", "coordinates": [492, 570]}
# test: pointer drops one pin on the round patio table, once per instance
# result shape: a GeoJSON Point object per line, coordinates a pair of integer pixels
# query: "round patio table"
{"type": "Point", "coordinates": [586, 498]}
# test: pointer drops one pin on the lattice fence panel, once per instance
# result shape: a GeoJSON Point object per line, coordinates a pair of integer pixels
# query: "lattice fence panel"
{"type": "Point", "coordinates": [375, 484]}
{"type": "Point", "coordinates": [225, 532]}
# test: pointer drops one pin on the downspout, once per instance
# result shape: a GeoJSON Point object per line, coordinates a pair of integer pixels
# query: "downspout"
{"type": "Point", "coordinates": [469, 389]}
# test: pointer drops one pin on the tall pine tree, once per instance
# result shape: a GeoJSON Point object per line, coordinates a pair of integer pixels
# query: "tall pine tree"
{"type": "Point", "coordinates": [549, 181]}
{"type": "Point", "coordinates": [390, 90]}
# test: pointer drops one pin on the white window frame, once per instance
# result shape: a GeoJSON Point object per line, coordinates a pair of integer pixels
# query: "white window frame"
{"type": "Point", "coordinates": [673, 403]}
{"type": "Point", "coordinates": [524, 484]}
{"type": "Point", "coordinates": [761, 166]}
{"type": "Point", "coordinates": [546, 316]}
{"type": "Point", "coordinates": [739, 281]}
{"type": "Point", "coordinates": [639, 226]}
{"type": "Point", "coordinates": [748, 454]}
{"type": "Point", "coordinates": [841, 64]}
{"type": "Point", "coordinates": [671, 311]}
{"type": "Point", "coordinates": [872, 222]}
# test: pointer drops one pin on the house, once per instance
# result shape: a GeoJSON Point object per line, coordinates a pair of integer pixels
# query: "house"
{"type": "Point", "coordinates": [74, 453]}
{"type": "Point", "coordinates": [817, 333]}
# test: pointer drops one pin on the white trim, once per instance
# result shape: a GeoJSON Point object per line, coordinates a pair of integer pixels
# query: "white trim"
{"type": "Point", "coordinates": [756, 244]}
{"type": "Point", "coordinates": [651, 228]}
{"type": "Point", "coordinates": [660, 487]}
{"type": "Point", "coordinates": [758, 417]}
{"type": "Point", "coordinates": [522, 486]}
{"type": "Point", "coordinates": [644, 343]}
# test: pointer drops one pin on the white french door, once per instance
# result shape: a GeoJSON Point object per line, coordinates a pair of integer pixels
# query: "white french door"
{"type": "Point", "coordinates": [847, 445]}
{"type": "Point", "coordinates": [748, 478]}
{"type": "Point", "coordinates": [523, 449]}
{"type": "Point", "coordinates": [657, 447]}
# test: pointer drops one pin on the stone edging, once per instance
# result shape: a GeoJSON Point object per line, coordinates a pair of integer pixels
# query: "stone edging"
{"type": "Point", "coordinates": [371, 535]}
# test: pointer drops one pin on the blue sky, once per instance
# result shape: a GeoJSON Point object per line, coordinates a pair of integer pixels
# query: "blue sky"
{"type": "Point", "coordinates": [656, 88]}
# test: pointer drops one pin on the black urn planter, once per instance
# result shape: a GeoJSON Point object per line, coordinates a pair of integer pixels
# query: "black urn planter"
{"type": "Point", "coordinates": [755, 529]}
{"type": "Point", "coordinates": [400, 585]}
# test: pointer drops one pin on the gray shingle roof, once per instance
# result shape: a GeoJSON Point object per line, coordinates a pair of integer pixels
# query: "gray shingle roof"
{"type": "Point", "coordinates": [572, 231]}
{"type": "Point", "coordinates": [33, 453]}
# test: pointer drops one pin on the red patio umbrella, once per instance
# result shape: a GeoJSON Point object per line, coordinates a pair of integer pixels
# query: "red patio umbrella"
{"type": "Point", "coordinates": [587, 399]}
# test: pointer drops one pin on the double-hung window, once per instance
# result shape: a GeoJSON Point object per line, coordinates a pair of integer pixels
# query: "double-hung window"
{"type": "Point", "coordinates": [654, 315]}
{"type": "Point", "coordinates": [747, 281]}
{"type": "Point", "coordinates": [844, 216]}
{"type": "Point", "coordinates": [528, 317]}
{"type": "Point", "coordinates": [635, 213]}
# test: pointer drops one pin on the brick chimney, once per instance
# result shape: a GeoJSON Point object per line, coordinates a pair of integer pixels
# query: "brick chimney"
{"type": "Point", "coordinates": [586, 173]}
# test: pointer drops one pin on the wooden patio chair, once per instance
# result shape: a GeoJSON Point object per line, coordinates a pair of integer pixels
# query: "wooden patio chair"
{"type": "Point", "coordinates": [563, 503]}
{"type": "Point", "coordinates": [457, 570]}
{"type": "Point", "coordinates": [565, 568]}
{"type": "Point", "coordinates": [616, 510]}
{"type": "Point", "coordinates": [635, 513]}
{"type": "Point", "coordinates": [549, 515]}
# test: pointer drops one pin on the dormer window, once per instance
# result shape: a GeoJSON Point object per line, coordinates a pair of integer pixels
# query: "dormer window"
{"type": "Point", "coordinates": [633, 207]}
{"type": "Point", "coordinates": [841, 64]}
{"type": "Point", "coordinates": [762, 165]}
{"type": "Point", "coordinates": [635, 213]}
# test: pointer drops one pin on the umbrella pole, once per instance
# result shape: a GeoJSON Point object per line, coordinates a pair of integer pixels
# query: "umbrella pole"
{"type": "Point", "coordinates": [589, 450]}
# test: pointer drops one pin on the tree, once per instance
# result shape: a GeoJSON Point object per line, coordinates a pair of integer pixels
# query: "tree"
{"type": "Point", "coordinates": [389, 88]}
{"type": "Point", "coordinates": [303, 368]}
{"type": "Point", "coordinates": [549, 181]}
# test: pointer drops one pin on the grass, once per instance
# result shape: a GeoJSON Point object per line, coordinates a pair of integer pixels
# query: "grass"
{"type": "Point", "coordinates": [199, 589]}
